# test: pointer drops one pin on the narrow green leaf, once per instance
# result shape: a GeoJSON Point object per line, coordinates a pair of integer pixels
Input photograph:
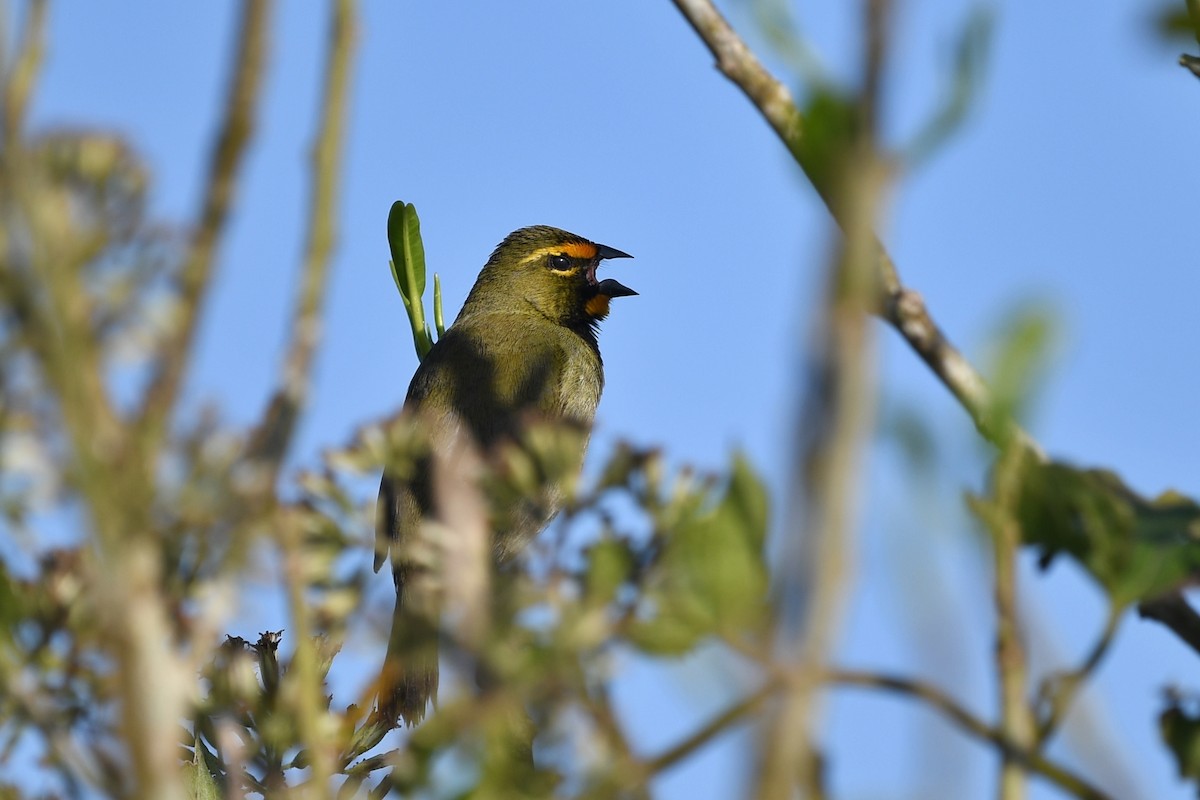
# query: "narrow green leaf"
{"type": "Point", "coordinates": [408, 253]}
{"type": "Point", "coordinates": [962, 89]}
{"type": "Point", "coordinates": [439, 322]}
{"type": "Point", "coordinates": [1019, 358]}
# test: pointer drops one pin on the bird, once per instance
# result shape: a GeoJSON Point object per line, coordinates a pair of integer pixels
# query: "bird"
{"type": "Point", "coordinates": [524, 347]}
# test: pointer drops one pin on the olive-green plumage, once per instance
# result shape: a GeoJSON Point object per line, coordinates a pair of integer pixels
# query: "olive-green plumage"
{"type": "Point", "coordinates": [523, 347]}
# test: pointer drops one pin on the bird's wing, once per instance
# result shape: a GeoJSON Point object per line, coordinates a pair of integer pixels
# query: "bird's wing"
{"type": "Point", "coordinates": [403, 500]}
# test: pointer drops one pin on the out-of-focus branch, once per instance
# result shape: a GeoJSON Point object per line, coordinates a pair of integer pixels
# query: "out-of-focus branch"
{"type": "Point", "coordinates": [938, 700]}
{"type": "Point", "coordinates": [712, 729]}
{"type": "Point", "coordinates": [901, 307]}
{"type": "Point", "coordinates": [832, 429]}
{"type": "Point", "coordinates": [195, 276]}
{"type": "Point", "coordinates": [273, 436]}
{"type": "Point", "coordinates": [53, 310]}
{"type": "Point", "coordinates": [1016, 716]}
{"type": "Point", "coordinates": [19, 85]}
{"type": "Point", "coordinates": [622, 762]}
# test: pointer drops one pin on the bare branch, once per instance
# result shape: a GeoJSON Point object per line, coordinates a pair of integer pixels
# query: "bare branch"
{"type": "Point", "coordinates": [195, 276]}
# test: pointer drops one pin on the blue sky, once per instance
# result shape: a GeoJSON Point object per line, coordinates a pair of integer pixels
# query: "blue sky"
{"type": "Point", "coordinates": [1071, 185]}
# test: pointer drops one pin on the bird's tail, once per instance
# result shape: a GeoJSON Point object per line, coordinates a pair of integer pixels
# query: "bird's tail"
{"type": "Point", "coordinates": [409, 678]}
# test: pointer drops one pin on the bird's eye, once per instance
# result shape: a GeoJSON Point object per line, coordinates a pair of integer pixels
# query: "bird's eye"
{"type": "Point", "coordinates": [560, 263]}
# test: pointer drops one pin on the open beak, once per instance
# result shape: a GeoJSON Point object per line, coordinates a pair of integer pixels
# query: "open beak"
{"type": "Point", "coordinates": [608, 286]}
{"type": "Point", "coordinates": [603, 251]}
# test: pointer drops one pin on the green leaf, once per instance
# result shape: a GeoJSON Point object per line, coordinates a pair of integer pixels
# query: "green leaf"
{"type": "Point", "coordinates": [408, 269]}
{"type": "Point", "coordinates": [408, 252]}
{"type": "Point", "coordinates": [1135, 548]}
{"type": "Point", "coordinates": [711, 577]}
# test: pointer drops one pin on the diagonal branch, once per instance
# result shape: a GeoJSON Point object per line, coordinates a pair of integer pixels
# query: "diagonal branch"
{"type": "Point", "coordinates": [712, 729]}
{"type": "Point", "coordinates": [901, 307]}
{"type": "Point", "coordinates": [273, 436]}
{"type": "Point", "coordinates": [196, 274]}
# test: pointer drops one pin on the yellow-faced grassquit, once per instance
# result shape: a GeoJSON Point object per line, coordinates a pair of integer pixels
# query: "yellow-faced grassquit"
{"type": "Point", "coordinates": [523, 347]}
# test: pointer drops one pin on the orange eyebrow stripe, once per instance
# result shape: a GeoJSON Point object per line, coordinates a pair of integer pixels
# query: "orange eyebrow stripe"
{"type": "Point", "coordinates": [584, 250]}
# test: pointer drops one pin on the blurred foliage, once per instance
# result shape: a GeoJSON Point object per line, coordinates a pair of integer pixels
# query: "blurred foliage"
{"type": "Point", "coordinates": [163, 528]}
{"type": "Point", "coordinates": [1135, 548]}
{"type": "Point", "coordinates": [209, 512]}
{"type": "Point", "coordinates": [1017, 358]}
{"type": "Point", "coordinates": [962, 86]}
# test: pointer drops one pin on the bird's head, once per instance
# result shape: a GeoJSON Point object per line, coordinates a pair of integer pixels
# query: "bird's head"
{"type": "Point", "coordinates": [551, 272]}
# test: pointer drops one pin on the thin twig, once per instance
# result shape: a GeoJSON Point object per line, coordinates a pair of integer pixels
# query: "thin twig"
{"type": "Point", "coordinates": [274, 433]}
{"type": "Point", "coordinates": [1058, 691]}
{"type": "Point", "coordinates": [938, 700]}
{"type": "Point", "coordinates": [623, 765]}
{"type": "Point", "coordinates": [195, 275]}
{"type": "Point", "coordinates": [712, 729]}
